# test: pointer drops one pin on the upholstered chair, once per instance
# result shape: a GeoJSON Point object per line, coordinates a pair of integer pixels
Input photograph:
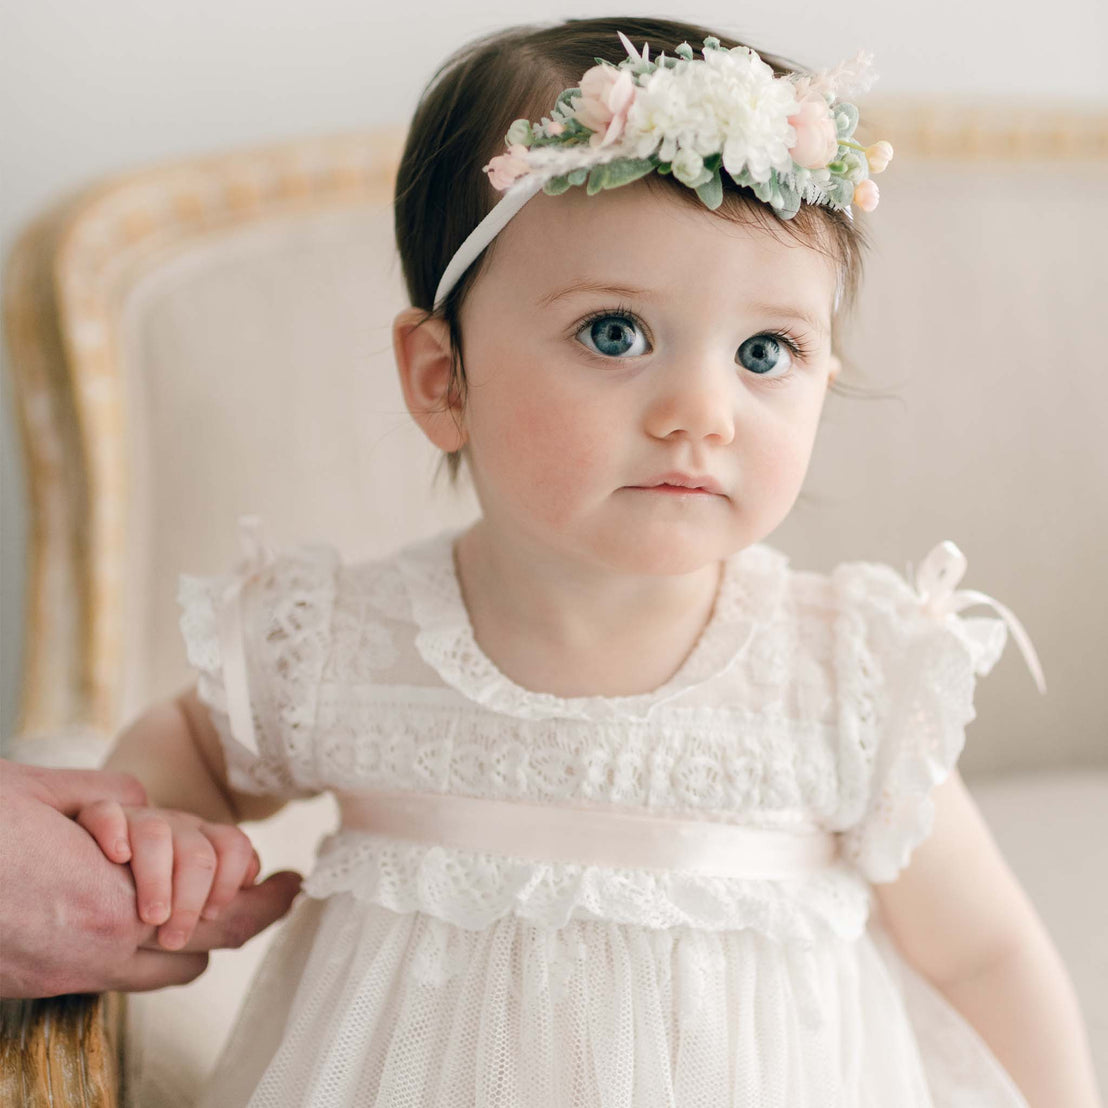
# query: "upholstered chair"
{"type": "Point", "coordinates": [196, 341]}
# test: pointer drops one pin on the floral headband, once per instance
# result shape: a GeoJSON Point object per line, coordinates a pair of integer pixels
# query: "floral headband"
{"type": "Point", "coordinates": [788, 139]}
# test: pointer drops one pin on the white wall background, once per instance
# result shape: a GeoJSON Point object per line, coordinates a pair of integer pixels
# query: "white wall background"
{"type": "Point", "coordinates": [91, 89]}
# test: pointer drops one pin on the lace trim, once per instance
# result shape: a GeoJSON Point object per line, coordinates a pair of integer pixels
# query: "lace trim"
{"type": "Point", "coordinates": [199, 598]}
{"type": "Point", "coordinates": [288, 613]}
{"type": "Point", "coordinates": [295, 602]}
{"type": "Point", "coordinates": [751, 586]}
{"type": "Point", "coordinates": [907, 709]}
{"type": "Point", "coordinates": [727, 761]}
{"type": "Point", "coordinates": [471, 889]}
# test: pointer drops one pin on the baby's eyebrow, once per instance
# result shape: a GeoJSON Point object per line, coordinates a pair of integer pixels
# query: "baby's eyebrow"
{"type": "Point", "coordinates": [549, 298]}
{"type": "Point", "coordinates": [786, 311]}
{"type": "Point", "coordinates": [792, 311]}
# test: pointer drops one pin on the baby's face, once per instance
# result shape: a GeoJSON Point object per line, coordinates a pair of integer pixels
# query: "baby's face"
{"type": "Point", "coordinates": [617, 338]}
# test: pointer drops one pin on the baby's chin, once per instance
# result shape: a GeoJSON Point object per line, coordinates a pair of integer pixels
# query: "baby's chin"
{"type": "Point", "coordinates": [672, 553]}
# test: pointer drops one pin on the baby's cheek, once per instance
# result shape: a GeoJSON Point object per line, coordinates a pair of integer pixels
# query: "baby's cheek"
{"type": "Point", "coordinates": [775, 467]}
{"type": "Point", "coordinates": [553, 451]}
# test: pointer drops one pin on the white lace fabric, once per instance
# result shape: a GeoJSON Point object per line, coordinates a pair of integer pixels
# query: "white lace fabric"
{"type": "Point", "coordinates": [835, 698]}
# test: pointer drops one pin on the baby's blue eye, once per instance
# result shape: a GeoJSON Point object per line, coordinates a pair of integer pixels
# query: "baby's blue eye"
{"type": "Point", "coordinates": [613, 335]}
{"type": "Point", "coordinates": [762, 354]}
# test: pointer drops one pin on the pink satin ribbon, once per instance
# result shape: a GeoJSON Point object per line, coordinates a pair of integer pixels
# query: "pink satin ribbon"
{"type": "Point", "coordinates": [935, 583]}
{"type": "Point", "coordinates": [586, 836]}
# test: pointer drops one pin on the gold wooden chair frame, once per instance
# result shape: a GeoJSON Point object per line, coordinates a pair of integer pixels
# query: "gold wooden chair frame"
{"type": "Point", "coordinates": [66, 278]}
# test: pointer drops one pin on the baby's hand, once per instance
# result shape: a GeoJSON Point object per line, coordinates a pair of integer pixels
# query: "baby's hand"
{"type": "Point", "coordinates": [184, 867]}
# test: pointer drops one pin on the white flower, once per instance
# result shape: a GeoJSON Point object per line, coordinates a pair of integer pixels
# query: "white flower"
{"type": "Point", "coordinates": [688, 165]}
{"type": "Point", "coordinates": [729, 102]}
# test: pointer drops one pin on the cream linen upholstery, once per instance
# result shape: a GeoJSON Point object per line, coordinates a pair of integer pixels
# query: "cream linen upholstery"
{"type": "Point", "coordinates": [222, 327]}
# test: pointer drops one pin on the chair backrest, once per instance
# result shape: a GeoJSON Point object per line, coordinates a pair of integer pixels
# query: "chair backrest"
{"type": "Point", "coordinates": [209, 338]}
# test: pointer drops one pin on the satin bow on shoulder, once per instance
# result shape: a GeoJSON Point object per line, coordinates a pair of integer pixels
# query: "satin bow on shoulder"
{"type": "Point", "coordinates": [936, 581]}
{"type": "Point", "coordinates": [257, 557]}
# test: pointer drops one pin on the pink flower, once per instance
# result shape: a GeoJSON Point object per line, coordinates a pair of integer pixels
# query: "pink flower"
{"type": "Point", "coordinates": [866, 195]}
{"type": "Point", "coordinates": [506, 168]}
{"type": "Point", "coordinates": [606, 97]}
{"type": "Point", "coordinates": [816, 141]}
{"type": "Point", "coordinates": [879, 155]}
{"type": "Point", "coordinates": [555, 128]}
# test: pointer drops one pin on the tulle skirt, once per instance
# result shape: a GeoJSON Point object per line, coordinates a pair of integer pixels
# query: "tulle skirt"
{"type": "Point", "coordinates": [357, 1005]}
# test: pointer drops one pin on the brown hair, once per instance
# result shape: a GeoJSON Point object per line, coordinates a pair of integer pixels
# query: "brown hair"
{"type": "Point", "coordinates": [517, 73]}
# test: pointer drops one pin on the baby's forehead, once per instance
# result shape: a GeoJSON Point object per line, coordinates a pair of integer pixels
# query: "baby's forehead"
{"type": "Point", "coordinates": [639, 242]}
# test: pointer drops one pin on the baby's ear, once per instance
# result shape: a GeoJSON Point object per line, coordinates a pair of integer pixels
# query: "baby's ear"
{"type": "Point", "coordinates": [422, 348]}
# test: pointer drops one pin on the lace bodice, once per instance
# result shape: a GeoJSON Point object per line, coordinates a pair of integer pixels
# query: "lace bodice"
{"type": "Point", "coordinates": [839, 698]}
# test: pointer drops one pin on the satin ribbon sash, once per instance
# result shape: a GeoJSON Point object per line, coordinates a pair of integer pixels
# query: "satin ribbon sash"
{"type": "Point", "coordinates": [584, 836]}
{"type": "Point", "coordinates": [935, 582]}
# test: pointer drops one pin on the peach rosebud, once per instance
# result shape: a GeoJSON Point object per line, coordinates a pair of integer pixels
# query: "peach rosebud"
{"type": "Point", "coordinates": [554, 127]}
{"type": "Point", "coordinates": [866, 195]}
{"type": "Point", "coordinates": [504, 169]}
{"type": "Point", "coordinates": [879, 155]}
{"type": "Point", "coordinates": [816, 140]}
{"type": "Point", "coordinates": [606, 97]}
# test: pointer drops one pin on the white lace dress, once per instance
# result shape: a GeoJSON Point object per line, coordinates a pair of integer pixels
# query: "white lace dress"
{"type": "Point", "coordinates": [419, 974]}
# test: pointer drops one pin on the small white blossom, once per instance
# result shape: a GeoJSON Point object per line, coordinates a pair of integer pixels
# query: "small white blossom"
{"type": "Point", "coordinates": [688, 165]}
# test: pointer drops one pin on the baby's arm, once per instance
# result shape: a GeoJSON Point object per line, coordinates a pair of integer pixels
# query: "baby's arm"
{"type": "Point", "coordinates": [175, 751]}
{"type": "Point", "coordinates": [960, 917]}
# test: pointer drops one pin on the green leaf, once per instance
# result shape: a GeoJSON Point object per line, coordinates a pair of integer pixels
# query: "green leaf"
{"type": "Point", "coordinates": [842, 189]}
{"type": "Point", "coordinates": [597, 179]}
{"type": "Point", "coordinates": [764, 190]}
{"type": "Point", "coordinates": [520, 132]}
{"type": "Point", "coordinates": [664, 168]}
{"type": "Point", "coordinates": [684, 51]}
{"type": "Point", "coordinates": [556, 185]}
{"type": "Point", "coordinates": [577, 176]}
{"type": "Point", "coordinates": [712, 191]}
{"type": "Point", "coordinates": [846, 119]}
{"type": "Point", "coordinates": [625, 170]}
{"type": "Point", "coordinates": [713, 161]}
{"type": "Point", "coordinates": [790, 202]}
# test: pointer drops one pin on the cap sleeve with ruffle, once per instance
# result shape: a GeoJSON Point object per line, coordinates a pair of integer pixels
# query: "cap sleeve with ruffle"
{"type": "Point", "coordinates": [907, 666]}
{"type": "Point", "coordinates": [258, 638]}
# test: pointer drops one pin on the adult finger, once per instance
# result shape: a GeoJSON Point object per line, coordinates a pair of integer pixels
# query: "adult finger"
{"type": "Point", "coordinates": [69, 790]}
{"type": "Point", "coordinates": [105, 821]}
{"type": "Point", "coordinates": [156, 969]}
{"type": "Point", "coordinates": [251, 912]}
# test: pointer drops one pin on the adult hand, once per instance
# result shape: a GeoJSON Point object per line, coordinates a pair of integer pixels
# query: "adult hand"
{"type": "Point", "coordinates": [68, 916]}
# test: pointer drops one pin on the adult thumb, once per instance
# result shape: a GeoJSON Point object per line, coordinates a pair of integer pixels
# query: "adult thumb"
{"type": "Point", "coordinates": [251, 911]}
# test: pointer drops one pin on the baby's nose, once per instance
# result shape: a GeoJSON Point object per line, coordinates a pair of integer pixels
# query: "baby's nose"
{"type": "Point", "coordinates": [697, 401]}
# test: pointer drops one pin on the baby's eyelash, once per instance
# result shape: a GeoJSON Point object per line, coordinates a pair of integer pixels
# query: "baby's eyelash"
{"type": "Point", "coordinates": [619, 309]}
{"type": "Point", "coordinates": [794, 342]}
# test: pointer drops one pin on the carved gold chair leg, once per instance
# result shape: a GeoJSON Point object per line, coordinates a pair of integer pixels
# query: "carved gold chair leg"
{"type": "Point", "coordinates": [64, 1050]}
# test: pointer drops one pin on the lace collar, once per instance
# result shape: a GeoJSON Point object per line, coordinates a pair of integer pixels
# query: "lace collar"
{"type": "Point", "coordinates": [750, 588]}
